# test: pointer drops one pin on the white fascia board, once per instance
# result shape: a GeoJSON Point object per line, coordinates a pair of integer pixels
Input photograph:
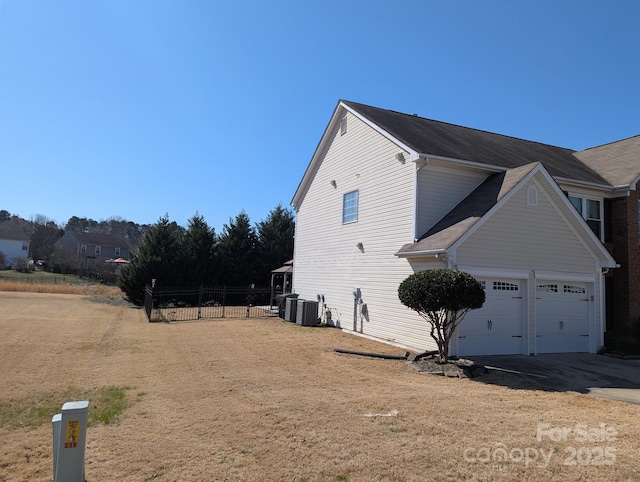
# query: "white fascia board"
{"type": "Point", "coordinates": [596, 247]}
{"type": "Point", "coordinates": [413, 155]}
{"type": "Point", "coordinates": [485, 272]}
{"type": "Point", "coordinates": [314, 159]}
{"type": "Point", "coordinates": [574, 182]}
{"type": "Point", "coordinates": [435, 253]}
{"type": "Point", "coordinates": [478, 165]}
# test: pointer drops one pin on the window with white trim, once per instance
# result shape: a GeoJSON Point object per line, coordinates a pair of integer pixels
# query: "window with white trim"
{"type": "Point", "coordinates": [83, 248]}
{"type": "Point", "coordinates": [98, 249]}
{"type": "Point", "coordinates": [350, 207]}
{"type": "Point", "coordinates": [117, 252]}
{"type": "Point", "coordinates": [591, 211]}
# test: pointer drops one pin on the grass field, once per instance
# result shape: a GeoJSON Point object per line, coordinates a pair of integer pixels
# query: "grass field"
{"type": "Point", "coordinates": [44, 282]}
{"type": "Point", "coordinates": [265, 400]}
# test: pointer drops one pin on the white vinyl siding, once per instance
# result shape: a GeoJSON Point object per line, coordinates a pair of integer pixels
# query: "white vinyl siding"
{"type": "Point", "coordinates": [327, 260]}
{"type": "Point", "coordinates": [440, 189]}
{"type": "Point", "coordinates": [537, 237]}
{"type": "Point", "coordinates": [13, 249]}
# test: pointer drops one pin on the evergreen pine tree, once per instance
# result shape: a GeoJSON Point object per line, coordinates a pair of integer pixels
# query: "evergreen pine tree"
{"type": "Point", "coordinates": [160, 257]}
{"type": "Point", "coordinates": [199, 251]}
{"type": "Point", "coordinates": [275, 235]}
{"type": "Point", "coordinates": [238, 252]}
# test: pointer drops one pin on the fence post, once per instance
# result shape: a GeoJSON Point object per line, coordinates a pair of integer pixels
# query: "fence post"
{"type": "Point", "coordinates": [200, 299]}
{"type": "Point", "coordinates": [224, 298]}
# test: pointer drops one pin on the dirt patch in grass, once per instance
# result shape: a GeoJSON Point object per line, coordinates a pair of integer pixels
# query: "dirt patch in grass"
{"type": "Point", "coordinates": [262, 399]}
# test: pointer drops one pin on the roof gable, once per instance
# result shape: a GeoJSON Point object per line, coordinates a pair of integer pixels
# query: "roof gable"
{"type": "Point", "coordinates": [463, 220]}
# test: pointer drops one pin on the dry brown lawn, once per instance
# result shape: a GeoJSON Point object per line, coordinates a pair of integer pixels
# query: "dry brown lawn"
{"type": "Point", "coordinates": [265, 400]}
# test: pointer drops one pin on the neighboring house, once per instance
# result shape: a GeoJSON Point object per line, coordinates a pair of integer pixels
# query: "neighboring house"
{"type": "Point", "coordinates": [388, 194]}
{"type": "Point", "coordinates": [14, 243]}
{"type": "Point", "coordinates": [83, 250]}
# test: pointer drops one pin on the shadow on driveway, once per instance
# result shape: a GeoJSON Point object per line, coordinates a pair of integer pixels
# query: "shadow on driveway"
{"type": "Point", "coordinates": [587, 373]}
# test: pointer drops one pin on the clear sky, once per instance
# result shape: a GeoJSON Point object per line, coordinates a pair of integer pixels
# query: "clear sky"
{"type": "Point", "coordinates": [137, 108]}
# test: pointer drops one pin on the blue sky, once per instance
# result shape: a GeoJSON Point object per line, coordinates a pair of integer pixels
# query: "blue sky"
{"type": "Point", "coordinates": [137, 108]}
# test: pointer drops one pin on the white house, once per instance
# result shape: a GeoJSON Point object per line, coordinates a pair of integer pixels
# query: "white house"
{"type": "Point", "coordinates": [14, 243]}
{"type": "Point", "coordinates": [388, 194]}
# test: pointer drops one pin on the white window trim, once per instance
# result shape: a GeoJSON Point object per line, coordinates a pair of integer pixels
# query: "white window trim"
{"type": "Point", "coordinates": [357, 193]}
{"type": "Point", "coordinates": [584, 199]}
{"type": "Point", "coordinates": [98, 249]}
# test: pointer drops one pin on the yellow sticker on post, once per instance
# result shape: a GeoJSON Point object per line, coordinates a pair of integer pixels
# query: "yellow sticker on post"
{"type": "Point", "coordinates": [73, 432]}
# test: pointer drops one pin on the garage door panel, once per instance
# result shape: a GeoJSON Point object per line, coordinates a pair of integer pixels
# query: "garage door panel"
{"type": "Point", "coordinates": [496, 328]}
{"type": "Point", "coordinates": [562, 317]}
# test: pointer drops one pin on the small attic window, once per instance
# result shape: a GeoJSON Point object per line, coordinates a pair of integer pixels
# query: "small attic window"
{"type": "Point", "coordinates": [343, 125]}
{"type": "Point", "coordinates": [532, 196]}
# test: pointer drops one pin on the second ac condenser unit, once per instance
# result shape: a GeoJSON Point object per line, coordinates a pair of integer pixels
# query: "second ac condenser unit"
{"type": "Point", "coordinates": [307, 313]}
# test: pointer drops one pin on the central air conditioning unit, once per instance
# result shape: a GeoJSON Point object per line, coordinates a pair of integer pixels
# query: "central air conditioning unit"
{"type": "Point", "coordinates": [290, 309]}
{"type": "Point", "coordinates": [307, 313]}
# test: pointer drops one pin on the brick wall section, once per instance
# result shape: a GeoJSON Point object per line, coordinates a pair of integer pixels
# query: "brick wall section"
{"type": "Point", "coordinates": [625, 312]}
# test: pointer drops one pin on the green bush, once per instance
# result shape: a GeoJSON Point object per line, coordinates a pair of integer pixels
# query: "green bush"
{"type": "Point", "coordinates": [442, 297]}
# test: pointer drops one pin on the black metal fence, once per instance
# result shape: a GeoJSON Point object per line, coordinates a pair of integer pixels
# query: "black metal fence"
{"type": "Point", "coordinates": [194, 303]}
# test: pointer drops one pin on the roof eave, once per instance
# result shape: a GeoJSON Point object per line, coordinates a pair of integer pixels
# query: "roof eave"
{"type": "Point", "coordinates": [479, 165]}
{"type": "Point", "coordinates": [434, 253]}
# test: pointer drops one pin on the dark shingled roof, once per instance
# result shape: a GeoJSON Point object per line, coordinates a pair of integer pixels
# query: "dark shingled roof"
{"type": "Point", "coordinates": [469, 211]}
{"type": "Point", "coordinates": [11, 232]}
{"type": "Point", "coordinates": [437, 138]}
{"type": "Point", "coordinates": [101, 239]}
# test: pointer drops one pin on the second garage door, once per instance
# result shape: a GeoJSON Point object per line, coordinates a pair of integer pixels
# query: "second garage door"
{"type": "Point", "coordinates": [562, 317]}
{"type": "Point", "coordinates": [496, 328]}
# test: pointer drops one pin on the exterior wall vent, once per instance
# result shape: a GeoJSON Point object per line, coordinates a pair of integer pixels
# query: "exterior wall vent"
{"type": "Point", "coordinates": [532, 196]}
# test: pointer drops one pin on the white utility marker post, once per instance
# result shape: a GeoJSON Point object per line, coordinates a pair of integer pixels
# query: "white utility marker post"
{"type": "Point", "coordinates": [69, 441]}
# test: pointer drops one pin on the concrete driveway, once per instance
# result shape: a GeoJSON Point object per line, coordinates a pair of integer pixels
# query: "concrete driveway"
{"type": "Point", "coordinates": [597, 375]}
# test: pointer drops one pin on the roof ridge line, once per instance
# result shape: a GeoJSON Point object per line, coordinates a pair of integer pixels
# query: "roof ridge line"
{"type": "Point", "coordinates": [465, 127]}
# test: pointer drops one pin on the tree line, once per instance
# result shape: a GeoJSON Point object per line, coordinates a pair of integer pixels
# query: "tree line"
{"type": "Point", "coordinates": [240, 255]}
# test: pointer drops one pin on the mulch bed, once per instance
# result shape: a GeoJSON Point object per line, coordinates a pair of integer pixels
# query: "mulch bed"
{"type": "Point", "coordinates": [454, 368]}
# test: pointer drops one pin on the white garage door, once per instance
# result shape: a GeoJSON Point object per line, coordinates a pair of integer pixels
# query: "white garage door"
{"type": "Point", "coordinates": [496, 328]}
{"type": "Point", "coordinates": [562, 317]}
